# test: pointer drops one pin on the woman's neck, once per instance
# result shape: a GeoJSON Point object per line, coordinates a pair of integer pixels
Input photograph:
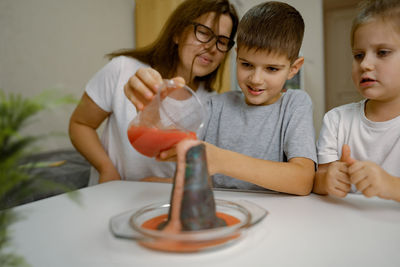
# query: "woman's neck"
{"type": "Point", "coordinates": [190, 81]}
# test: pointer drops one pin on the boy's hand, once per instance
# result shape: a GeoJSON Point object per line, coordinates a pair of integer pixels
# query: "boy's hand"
{"type": "Point", "coordinates": [155, 179]}
{"type": "Point", "coordinates": [168, 155]}
{"type": "Point", "coordinates": [371, 179]}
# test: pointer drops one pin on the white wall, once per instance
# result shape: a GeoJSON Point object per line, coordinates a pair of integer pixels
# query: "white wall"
{"type": "Point", "coordinates": [46, 44]}
{"type": "Point", "coordinates": [312, 49]}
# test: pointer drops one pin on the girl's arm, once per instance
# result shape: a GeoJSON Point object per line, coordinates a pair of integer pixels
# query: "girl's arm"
{"type": "Point", "coordinates": [293, 177]}
{"type": "Point", "coordinates": [84, 122]}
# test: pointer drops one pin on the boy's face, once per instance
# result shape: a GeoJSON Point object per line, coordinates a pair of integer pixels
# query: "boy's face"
{"type": "Point", "coordinates": [261, 75]}
{"type": "Point", "coordinates": [376, 61]}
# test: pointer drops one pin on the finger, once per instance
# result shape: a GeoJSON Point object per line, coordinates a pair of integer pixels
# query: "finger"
{"type": "Point", "coordinates": [179, 81]}
{"type": "Point", "coordinates": [370, 191]}
{"type": "Point", "coordinates": [134, 100]}
{"type": "Point", "coordinates": [343, 177]}
{"type": "Point", "coordinates": [345, 187]}
{"type": "Point", "coordinates": [167, 155]}
{"type": "Point", "coordinates": [358, 167]}
{"type": "Point", "coordinates": [346, 155]}
{"type": "Point", "coordinates": [138, 87]}
{"type": "Point", "coordinates": [356, 177]}
{"type": "Point", "coordinates": [362, 185]}
{"type": "Point", "coordinates": [337, 192]}
{"type": "Point", "coordinates": [150, 78]}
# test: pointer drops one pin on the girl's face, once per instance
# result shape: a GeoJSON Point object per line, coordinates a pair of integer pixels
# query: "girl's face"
{"type": "Point", "coordinates": [205, 57]}
{"type": "Point", "coordinates": [376, 61]}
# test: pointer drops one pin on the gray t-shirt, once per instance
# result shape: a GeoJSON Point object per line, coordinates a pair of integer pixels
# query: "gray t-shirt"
{"type": "Point", "coordinates": [276, 132]}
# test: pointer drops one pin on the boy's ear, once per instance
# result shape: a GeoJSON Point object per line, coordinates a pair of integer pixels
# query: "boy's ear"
{"type": "Point", "coordinates": [295, 67]}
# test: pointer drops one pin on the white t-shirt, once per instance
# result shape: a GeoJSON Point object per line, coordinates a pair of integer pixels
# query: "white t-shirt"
{"type": "Point", "coordinates": [106, 89]}
{"type": "Point", "coordinates": [378, 142]}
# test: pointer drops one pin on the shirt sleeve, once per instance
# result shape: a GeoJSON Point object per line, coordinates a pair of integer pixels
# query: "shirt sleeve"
{"type": "Point", "coordinates": [327, 145]}
{"type": "Point", "coordinates": [102, 86]}
{"type": "Point", "coordinates": [299, 135]}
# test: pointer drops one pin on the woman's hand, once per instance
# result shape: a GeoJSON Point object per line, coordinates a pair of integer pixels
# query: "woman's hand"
{"type": "Point", "coordinates": [142, 86]}
{"type": "Point", "coordinates": [109, 174]}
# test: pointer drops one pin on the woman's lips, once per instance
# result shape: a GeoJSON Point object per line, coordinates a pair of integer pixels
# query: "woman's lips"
{"type": "Point", "coordinates": [204, 60]}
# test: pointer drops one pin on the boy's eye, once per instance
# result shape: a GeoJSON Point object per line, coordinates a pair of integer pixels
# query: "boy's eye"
{"type": "Point", "coordinates": [245, 64]}
{"type": "Point", "coordinates": [272, 69]}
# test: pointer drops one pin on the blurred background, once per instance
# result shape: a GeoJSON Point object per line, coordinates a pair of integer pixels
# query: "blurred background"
{"type": "Point", "coordinates": [60, 45]}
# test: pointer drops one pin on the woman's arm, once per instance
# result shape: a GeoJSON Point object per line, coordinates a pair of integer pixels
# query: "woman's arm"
{"type": "Point", "coordinates": [293, 177]}
{"type": "Point", "coordinates": [84, 122]}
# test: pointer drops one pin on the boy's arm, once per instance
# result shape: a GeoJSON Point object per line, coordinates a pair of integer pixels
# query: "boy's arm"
{"type": "Point", "coordinates": [293, 177]}
{"type": "Point", "coordinates": [84, 121]}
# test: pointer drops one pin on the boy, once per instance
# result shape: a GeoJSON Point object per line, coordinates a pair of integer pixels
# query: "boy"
{"type": "Point", "coordinates": [263, 137]}
{"type": "Point", "coordinates": [367, 130]}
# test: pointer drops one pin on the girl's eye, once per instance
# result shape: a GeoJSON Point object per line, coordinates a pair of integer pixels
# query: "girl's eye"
{"type": "Point", "coordinates": [358, 56]}
{"type": "Point", "coordinates": [382, 53]}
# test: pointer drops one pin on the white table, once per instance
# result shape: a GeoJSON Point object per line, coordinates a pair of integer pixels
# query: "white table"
{"type": "Point", "coordinates": [299, 231]}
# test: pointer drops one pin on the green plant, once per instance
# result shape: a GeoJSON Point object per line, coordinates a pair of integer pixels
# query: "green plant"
{"type": "Point", "coordinates": [16, 181]}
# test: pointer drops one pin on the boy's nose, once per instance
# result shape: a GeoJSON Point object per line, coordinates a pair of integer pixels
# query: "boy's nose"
{"type": "Point", "coordinates": [256, 77]}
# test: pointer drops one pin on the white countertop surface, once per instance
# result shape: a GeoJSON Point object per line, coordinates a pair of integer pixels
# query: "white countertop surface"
{"type": "Point", "coordinates": [299, 231]}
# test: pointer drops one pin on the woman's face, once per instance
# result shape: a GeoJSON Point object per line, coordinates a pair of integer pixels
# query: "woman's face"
{"type": "Point", "coordinates": [205, 57]}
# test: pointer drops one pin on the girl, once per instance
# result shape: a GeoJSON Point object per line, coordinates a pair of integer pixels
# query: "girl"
{"type": "Point", "coordinates": [359, 143]}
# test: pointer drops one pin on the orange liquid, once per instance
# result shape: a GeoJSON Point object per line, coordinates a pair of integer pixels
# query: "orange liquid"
{"type": "Point", "coordinates": [151, 141]}
{"type": "Point", "coordinates": [177, 246]}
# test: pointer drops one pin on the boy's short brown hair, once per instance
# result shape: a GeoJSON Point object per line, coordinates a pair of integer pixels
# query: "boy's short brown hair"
{"type": "Point", "coordinates": [275, 27]}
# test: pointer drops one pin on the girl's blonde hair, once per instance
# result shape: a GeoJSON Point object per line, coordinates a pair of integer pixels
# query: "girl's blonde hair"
{"type": "Point", "coordinates": [385, 10]}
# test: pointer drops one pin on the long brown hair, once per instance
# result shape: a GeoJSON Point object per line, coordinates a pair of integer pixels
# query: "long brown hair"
{"type": "Point", "coordinates": [162, 54]}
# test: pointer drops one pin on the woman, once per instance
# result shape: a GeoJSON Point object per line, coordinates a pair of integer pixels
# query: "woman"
{"type": "Point", "coordinates": [193, 45]}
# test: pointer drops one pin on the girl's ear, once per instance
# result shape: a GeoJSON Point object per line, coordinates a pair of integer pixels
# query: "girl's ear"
{"type": "Point", "coordinates": [295, 67]}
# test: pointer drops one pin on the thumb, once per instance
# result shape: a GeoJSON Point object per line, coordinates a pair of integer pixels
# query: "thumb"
{"type": "Point", "coordinates": [179, 81]}
{"type": "Point", "coordinates": [346, 155]}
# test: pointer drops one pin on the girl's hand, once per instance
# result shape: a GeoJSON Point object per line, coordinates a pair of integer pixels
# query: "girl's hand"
{"type": "Point", "coordinates": [371, 179]}
{"type": "Point", "coordinates": [337, 180]}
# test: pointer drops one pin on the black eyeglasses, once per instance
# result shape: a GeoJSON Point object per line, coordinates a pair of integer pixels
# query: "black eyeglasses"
{"type": "Point", "coordinates": [204, 35]}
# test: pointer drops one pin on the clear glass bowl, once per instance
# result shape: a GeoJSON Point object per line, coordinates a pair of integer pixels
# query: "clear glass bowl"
{"type": "Point", "coordinates": [130, 225]}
